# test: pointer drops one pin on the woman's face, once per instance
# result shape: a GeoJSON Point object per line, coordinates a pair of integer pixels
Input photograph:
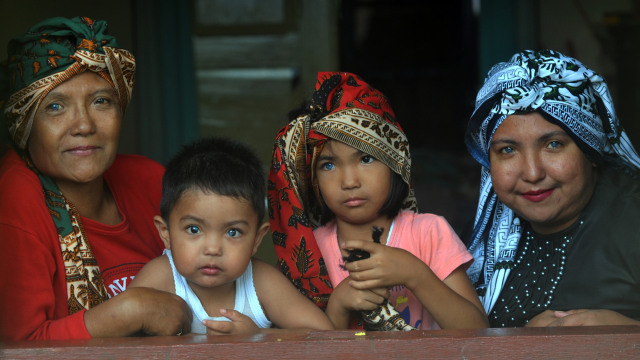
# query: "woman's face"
{"type": "Point", "coordinates": [74, 137]}
{"type": "Point", "coordinates": [539, 172]}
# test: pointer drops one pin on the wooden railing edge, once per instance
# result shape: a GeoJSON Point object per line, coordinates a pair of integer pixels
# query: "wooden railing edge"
{"type": "Point", "coordinates": [608, 342]}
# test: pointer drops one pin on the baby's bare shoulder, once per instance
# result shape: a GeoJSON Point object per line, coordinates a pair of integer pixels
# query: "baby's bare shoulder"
{"type": "Point", "coordinates": [155, 274]}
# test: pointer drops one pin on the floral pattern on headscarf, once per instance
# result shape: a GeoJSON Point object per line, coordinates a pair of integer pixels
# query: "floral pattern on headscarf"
{"type": "Point", "coordinates": [565, 91]}
{"type": "Point", "coordinates": [347, 109]}
{"type": "Point", "coordinates": [50, 53]}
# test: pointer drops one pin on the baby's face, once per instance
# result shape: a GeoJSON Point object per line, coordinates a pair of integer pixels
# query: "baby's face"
{"type": "Point", "coordinates": [212, 238]}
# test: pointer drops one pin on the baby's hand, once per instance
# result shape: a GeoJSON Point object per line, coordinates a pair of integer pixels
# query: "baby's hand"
{"type": "Point", "coordinates": [239, 324]}
{"type": "Point", "coordinates": [387, 266]}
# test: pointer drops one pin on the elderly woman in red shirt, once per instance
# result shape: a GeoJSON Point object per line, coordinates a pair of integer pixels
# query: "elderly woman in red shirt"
{"type": "Point", "coordinates": [76, 220]}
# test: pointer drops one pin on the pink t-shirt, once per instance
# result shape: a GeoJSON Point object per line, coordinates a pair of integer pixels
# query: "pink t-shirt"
{"type": "Point", "coordinates": [429, 237]}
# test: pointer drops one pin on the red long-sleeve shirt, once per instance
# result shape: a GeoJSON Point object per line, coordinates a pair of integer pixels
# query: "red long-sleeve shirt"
{"type": "Point", "coordinates": [33, 293]}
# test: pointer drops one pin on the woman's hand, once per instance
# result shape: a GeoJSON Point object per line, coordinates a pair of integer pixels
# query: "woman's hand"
{"type": "Point", "coordinates": [164, 313]}
{"type": "Point", "coordinates": [139, 311]}
{"type": "Point", "coordinates": [387, 266]}
{"type": "Point", "coordinates": [346, 298]}
{"type": "Point", "coordinates": [239, 324]}
{"type": "Point", "coordinates": [582, 317]}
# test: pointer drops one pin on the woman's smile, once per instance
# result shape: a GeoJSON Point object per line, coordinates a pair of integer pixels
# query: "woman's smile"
{"type": "Point", "coordinates": [537, 195]}
{"type": "Point", "coordinates": [83, 150]}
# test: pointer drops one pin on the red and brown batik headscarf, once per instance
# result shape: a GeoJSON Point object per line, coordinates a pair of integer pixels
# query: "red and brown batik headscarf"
{"type": "Point", "coordinates": [343, 108]}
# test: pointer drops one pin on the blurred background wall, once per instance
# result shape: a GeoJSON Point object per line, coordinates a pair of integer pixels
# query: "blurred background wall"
{"type": "Point", "coordinates": [237, 67]}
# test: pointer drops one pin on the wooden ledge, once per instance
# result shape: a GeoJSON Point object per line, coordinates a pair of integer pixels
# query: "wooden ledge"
{"type": "Point", "coordinates": [608, 342]}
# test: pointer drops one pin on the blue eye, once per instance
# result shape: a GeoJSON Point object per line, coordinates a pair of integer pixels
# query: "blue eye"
{"type": "Point", "coordinates": [367, 159]}
{"type": "Point", "coordinates": [506, 150]}
{"type": "Point", "coordinates": [102, 100]}
{"type": "Point", "coordinates": [327, 166]}
{"type": "Point", "coordinates": [193, 229]}
{"type": "Point", "coordinates": [234, 233]}
{"type": "Point", "coordinates": [53, 107]}
{"type": "Point", "coordinates": [554, 144]}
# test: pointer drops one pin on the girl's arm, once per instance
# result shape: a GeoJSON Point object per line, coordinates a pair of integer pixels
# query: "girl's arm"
{"type": "Point", "coordinates": [283, 304]}
{"type": "Point", "coordinates": [344, 299]}
{"type": "Point", "coordinates": [452, 303]}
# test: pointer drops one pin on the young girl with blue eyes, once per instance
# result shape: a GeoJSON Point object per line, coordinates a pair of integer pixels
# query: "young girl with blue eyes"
{"type": "Point", "coordinates": [212, 209]}
{"type": "Point", "coordinates": [340, 171]}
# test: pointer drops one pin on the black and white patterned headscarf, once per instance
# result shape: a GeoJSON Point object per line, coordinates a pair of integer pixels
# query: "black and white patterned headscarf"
{"type": "Point", "coordinates": [564, 90]}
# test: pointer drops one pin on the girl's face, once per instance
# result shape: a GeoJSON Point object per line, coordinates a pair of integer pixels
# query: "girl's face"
{"type": "Point", "coordinates": [75, 131]}
{"type": "Point", "coordinates": [354, 185]}
{"type": "Point", "coordinates": [539, 172]}
{"type": "Point", "coordinates": [211, 238]}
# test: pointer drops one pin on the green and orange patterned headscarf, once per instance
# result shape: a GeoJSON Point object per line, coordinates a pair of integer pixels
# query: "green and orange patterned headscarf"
{"type": "Point", "coordinates": [53, 51]}
{"type": "Point", "coordinates": [347, 109]}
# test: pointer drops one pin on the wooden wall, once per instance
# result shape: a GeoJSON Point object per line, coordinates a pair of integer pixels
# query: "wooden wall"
{"type": "Point", "coordinates": [255, 61]}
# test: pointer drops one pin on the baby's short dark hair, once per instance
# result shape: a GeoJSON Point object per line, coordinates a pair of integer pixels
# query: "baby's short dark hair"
{"type": "Point", "coordinates": [223, 166]}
